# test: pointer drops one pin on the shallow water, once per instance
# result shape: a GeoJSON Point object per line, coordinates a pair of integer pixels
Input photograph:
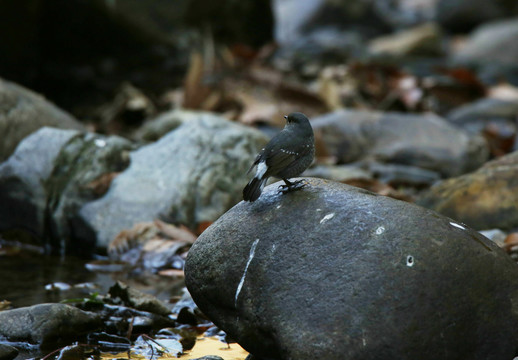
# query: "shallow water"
{"type": "Point", "coordinates": [25, 276]}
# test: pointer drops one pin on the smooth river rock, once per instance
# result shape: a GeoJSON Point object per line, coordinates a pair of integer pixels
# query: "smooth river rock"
{"type": "Point", "coordinates": [47, 324]}
{"type": "Point", "coordinates": [493, 42]}
{"type": "Point", "coordinates": [336, 272]}
{"type": "Point", "coordinates": [52, 173]}
{"type": "Point", "coordinates": [23, 112]}
{"type": "Point", "coordinates": [191, 175]}
{"type": "Point", "coordinates": [426, 141]}
{"type": "Point", "coordinates": [483, 199]}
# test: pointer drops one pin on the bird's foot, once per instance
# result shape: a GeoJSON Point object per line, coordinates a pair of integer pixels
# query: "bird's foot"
{"type": "Point", "coordinates": [292, 186]}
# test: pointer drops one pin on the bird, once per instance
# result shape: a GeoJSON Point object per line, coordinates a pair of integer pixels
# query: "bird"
{"type": "Point", "coordinates": [287, 155]}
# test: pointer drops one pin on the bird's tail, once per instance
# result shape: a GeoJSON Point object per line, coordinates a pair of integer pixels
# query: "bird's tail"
{"type": "Point", "coordinates": [254, 188]}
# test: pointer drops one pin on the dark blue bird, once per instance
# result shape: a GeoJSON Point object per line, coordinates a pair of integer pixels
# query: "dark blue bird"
{"type": "Point", "coordinates": [287, 155]}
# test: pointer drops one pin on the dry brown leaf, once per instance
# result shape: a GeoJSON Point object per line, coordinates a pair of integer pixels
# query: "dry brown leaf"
{"type": "Point", "coordinates": [499, 138]}
{"type": "Point", "coordinates": [176, 232]}
{"type": "Point", "coordinates": [202, 226]}
{"type": "Point", "coordinates": [131, 238]}
{"type": "Point", "coordinates": [329, 89]}
{"type": "Point", "coordinates": [5, 305]}
{"type": "Point", "coordinates": [198, 95]}
{"type": "Point", "coordinates": [265, 76]}
{"type": "Point", "coordinates": [172, 273]}
{"type": "Point", "coordinates": [149, 234]}
{"type": "Point", "coordinates": [511, 240]}
{"type": "Point", "coordinates": [256, 110]}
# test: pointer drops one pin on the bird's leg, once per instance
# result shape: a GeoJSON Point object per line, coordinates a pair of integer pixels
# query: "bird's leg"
{"type": "Point", "coordinates": [291, 186]}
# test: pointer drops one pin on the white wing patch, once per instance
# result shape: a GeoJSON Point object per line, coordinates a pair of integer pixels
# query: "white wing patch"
{"type": "Point", "coordinates": [261, 169]}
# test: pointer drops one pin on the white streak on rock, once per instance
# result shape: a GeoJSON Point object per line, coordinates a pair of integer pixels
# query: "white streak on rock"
{"type": "Point", "coordinates": [327, 218]}
{"type": "Point", "coordinates": [457, 225]}
{"type": "Point", "coordinates": [242, 281]}
{"type": "Point", "coordinates": [380, 230]}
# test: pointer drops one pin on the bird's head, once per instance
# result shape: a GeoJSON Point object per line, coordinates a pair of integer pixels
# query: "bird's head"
{"type": "Point", "coordinates": [296, 118]}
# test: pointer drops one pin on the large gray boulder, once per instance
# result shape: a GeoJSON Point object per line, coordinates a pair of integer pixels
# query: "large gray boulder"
{"type": "Point", "coordinates": [190, 176]}
{"type": "Point", "coordinates": [425, 141]}
{"type": "Point", "coordinates": [23, 112]}
{"type": "Point", "coordinates": [51, 174]}
{"type": "Point", "coordinates": [47, 324]}
{"type": "Point", "coordinates": [336, 272]}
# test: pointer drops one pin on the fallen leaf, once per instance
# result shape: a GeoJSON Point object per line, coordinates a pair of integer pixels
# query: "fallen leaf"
{"type": "Point", "coordinates": [180, 232]}
{"type": "Point", "coordinates": [172, 273]}
{"type": "Point", "coordinates": [101, 185]}
{"type": "Point", "coordinates": [203, 226]}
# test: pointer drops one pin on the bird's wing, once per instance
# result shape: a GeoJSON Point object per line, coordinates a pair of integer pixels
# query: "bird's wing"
{"type": "Point", "coordinates": [280, 159]}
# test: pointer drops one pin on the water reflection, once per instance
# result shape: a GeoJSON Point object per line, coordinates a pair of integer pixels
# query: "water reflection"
{"type": "Point", "coordinates": [24, 276]}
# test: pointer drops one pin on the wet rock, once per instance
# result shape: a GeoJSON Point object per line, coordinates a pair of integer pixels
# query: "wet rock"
{"type": "Point", "coordinates": [7, 352]}
{"type": "Point", "coordinates": [323, 32]}
{"type": "Point", "coordinates": [424, 141]}
{"type": "Point", "coordinates": [47, 324]}
{"type": "Point", "coordinates": [315, 15]}
{"type": "Point", "coordinates": [404, 14]}
{"type": "Point", "coordinates": [335, 272]}
{"type": "Point", "coordinates": [423, 40]}
{"type": "Point", "coordinates": [339, 173]}
{"type": "Point", "coordinates": [308, 54]}
{"type": "Point", "coordinates": [120, 319]}
{"type": "Point", "coordinates": [495, 235]}
{"type": "Point", "coordinates": [475, 116]}
{"type": "Point", "coordinates": [109, 342]}
{"type": "Point", "coordinates": [191, 175]}
{"type": "Point", "coordinates": [326, 31]}
{"type": "Point", "coordinates": [137, 299]}
{"type": "Point", "coordinates": [161, 125]}
{"type": "Point", "coordinates": [483, 199]}
{"type": "Point", "coordinates": [148, 348]}
{"type": "Point", "coordinates": [210, 357]}
{"type": "Point", "coordinates": [493, 118]}
{"type": "Point", "coordinates": [23, 112]}
{"type": "Point", "coordinates": [51, 174]}
{"type": "Point", "coordinates": [464, 15]}
{"type": "Point", "coordinates": [185, 301]}
{"type": "Point", "coordinates": [151, 247]}
{"type": "Point", "coordinates": [403, 175]}
{"type": "Point", "coordinates": [492, 43]}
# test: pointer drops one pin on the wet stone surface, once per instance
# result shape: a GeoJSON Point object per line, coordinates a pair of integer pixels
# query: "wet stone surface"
{"type": "Point", "coordinates": [335, 272]}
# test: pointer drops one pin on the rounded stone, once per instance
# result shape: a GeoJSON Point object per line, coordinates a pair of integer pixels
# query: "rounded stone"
{"type": "Point", "coordinates": [336, 272]}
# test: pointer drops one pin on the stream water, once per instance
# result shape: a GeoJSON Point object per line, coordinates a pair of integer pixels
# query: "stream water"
{"type": "Point", "coordinates": [28, 278]}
